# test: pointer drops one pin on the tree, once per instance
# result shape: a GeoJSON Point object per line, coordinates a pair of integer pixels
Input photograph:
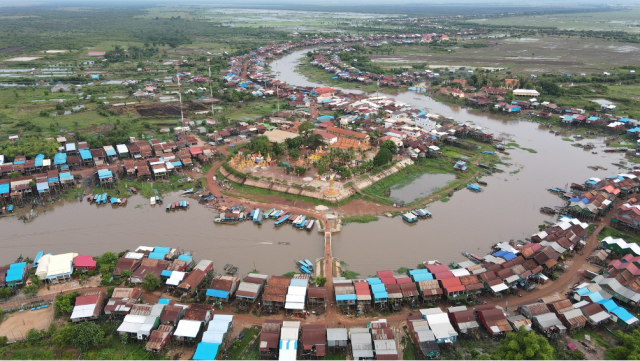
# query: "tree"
{"type": "Point", "coordinates": [33, 336]}
{"type": "Point", "coordinates": [5, 292]}
{"type": "Point", "coordinates": [151, 282]}
{"type": "Point", "coordinates": [87, 334]}
{"type": "Point", "coordinates": [523, 345]}
{"type": "Point", "coordinates": [299, 171]}
{"type": "Point", "coordinates": [323, 165]}
{"type": "Point", "coordinates": [107, 259]}
{"type": "Point", "coordinates": [391, 145]}
{"type": "Point", "coordinates": [64, 303]}
{"type": "Point", "coordinates": [305, 128]}
{"type": "Point", "coordinates": [293, 143]}
{"type": "Point", "coordinates": [320, 281]}
{"type": "Point", "coordinates": [294, 154]}
{"type": "Point", "coordinates": [126, 274]}
{"type": "Point", "coordinates": [31, 290]}
{"type": "Point", "coordinates": [260, 144]}
{"type": "Point", "coordinates": [314, 141]}
{"type": "Point", "coordinates": [629, 348]}
{"type": "Point", "coordinates": [383, 157]}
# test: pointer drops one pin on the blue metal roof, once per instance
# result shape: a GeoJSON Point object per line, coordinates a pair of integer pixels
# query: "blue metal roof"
{"type": "Point", "coordinates": [378, 288]}
{"type": "Point", "coordinates": [85, 154]}
{"type": "Point", "coordinates": [374, 281]}
{"type": "Point", "coordinates": [206, 351]}
{"type": "Point", "coordinates": [163, 250]}
{"type": "Point", "coordinates": [38, 256]}
{"type": "Point", "coordinates": [164, 301]}
{"type": "Point", "coordinates": [350, 297]}
{"type": "Point", "coordinates": [104, 173]}
{"type": "Point", "coordinates": [417, 271]}
{"type": "Point", "coordinates": [609, 304]}
{"type": "Point", "coordinates": [583, 291]}
{"type": "Point", "coordinates": [60, 158]}
{"type": "Point", "coordinates": [4, 188]}
{"type": "Point", "coordinates": [110, 152]}
{"type": "Point", "coordinates": [380, 295]}
{"type": "Point", "coordinates": [166, 273]}
{"type": "Point", "coordinates": [422, 277]}
{"type": "Point", "coordinates": [19, 266]}
{"type": "Point", "coordinates": [66, 175]}
{"type": "Point", "coordinates": [42, 186]}
{"type": "Point", "coordinates": [185, 257]}
{"type": "Point", "coordinates": [50, 180]}
{"type": "Point", "coordinates": [14, 275]}
{"type": "Point", "coordinates": [623, 314]}
{"type": "Point", "coordinates": [155, 255]}
{"type": "Point", "coordinates": [298, 282]}
{"type": "Point", "coordinates": [217, 293]}
{"type": "Point", "coordinates": [595, 296]}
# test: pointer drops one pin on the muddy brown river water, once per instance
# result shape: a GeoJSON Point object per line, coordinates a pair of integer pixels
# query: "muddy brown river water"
{"type": "Point", "coordinates": [508, 208]}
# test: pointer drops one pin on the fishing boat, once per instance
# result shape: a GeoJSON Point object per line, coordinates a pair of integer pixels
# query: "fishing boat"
{"type": "Point", "coordinates": [409, 217]}
{"type": "Point", "coordinates": [187, 192]}
{"type": "Point", "coordinates": [133, 190]}
{"type": "Point", "coordinates": [305, 270]}
{"type": "Point", "coordinates": [300, 220]}
{"type": "Point", "coordinates": [256, 214]}
{"type": "Point", "coordinates": [309, 264]}
{"type": "Point", "coordinates": [268, 213]}
{"type": "Point", "coordinates": [169, 207]}
{"type": "Point", "coordinates": [474, 187]}
{"type": "Point", "coordinates": [228, 218]}
{"type": "Point", "coordinates": [152, 200]}
{"type": "Point", "coordinates": [275, 214]}
{"type": "Point", "coordinates": [280, 221]}
{"type": "Point", "coordinates": [482, 183]}
{"type": "Point", "coordinates": [241, 216]}
{"type": "Point", "coordinates": [124, 201]}
{"type": "Point", "coordinates": [310, 225]}
{"type": "Point", "coordinates": [548, 210]}
{"type": "Point", "coordinates": [259, 219]}
{"type": "Point", "coordinates": [284, 243]}
{"type": "Point", "coordinates": [556, 190]}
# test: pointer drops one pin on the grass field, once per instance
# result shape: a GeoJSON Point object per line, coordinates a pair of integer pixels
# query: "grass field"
{"type": "Point", "coordinates": [602, 21]}
{"type": "Point", "coordinates": [616, 233]}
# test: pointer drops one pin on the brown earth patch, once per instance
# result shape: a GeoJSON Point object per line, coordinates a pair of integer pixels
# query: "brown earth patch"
{"type": "Point", "coordinates": [476, 60]}
{"type": "Point", "coordinates": [15, 49]}
{"type": "Point", "coordinates": [166, 109]}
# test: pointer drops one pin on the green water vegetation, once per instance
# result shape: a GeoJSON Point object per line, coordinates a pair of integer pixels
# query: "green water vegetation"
{"type": "Point", "coordinates": [567, 139]}
{"type": "Point", "coordinates": [365, 218]}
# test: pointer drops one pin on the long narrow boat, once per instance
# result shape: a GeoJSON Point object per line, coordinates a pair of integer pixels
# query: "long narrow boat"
{"type": "Point", "coordinates": [281, 221]}
{"type": "Point", "coordinates": [124, 201]}
{"type": "Point", "coordinates": [168, 207]}
{"type": "Point", "coordinates": [259, 221]}
{"type": "Point", "coordinates": [305, 270]}
{"type": "Point", "coordinates": [309, 264]}
{"type": "Point", "coordinates": [301, 221]}
{"type": "Point", "coordinates": [256, 215]}
{"type": "Point", "coordinates": [310, 225]}
{"type": "Point", "coordinates": [152, 200]}
{"type": "Point", "coordinates": [267, 214]}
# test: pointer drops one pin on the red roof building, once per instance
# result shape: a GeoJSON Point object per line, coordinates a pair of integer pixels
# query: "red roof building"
{"type": "Point", "coordinates": [84, 263]}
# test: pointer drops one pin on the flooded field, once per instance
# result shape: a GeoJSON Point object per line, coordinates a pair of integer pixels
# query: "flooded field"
{"type": "Point", "coordinates": [89, 229]}
{"type": "Point", "coordinates": [421, 187]}
{"type": "Point", "coordinates": [508, 208]}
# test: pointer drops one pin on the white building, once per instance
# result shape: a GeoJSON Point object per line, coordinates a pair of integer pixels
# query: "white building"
{"type": "Point", "coordinates": [425, 123]}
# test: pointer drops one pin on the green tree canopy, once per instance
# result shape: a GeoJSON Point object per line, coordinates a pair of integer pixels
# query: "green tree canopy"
{"type": "Point", "coordinates": [31, 290]}
{"type": "Point", "coordinates": [30, 147]}
{"type": "Point", "coordinates": [260, 144]}
{"type": "Point", "coordinates": [305, 128]}
{"type": "Point", "coordinates": [523, 345]}
{"type": "Point", "coordinates": [64, 303]}
{"type": "Point", "coordinates": [151, 282]}
{"type": "Point", "coordinates": [629, 348]}
{"type": "Point", "coordinates": [87, 334]}
{"type": "Point", "coordinates": [313, 141]}
{"type": "Point", "coordinates": [383, 157]}
{"type": "Point", "coordinates": [391, 145]}
{"type": "Point", "coordinates": [320, 281]}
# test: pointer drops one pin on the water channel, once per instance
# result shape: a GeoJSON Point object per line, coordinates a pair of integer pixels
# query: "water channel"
{"type": "Point", "coordinates": [508, 208]}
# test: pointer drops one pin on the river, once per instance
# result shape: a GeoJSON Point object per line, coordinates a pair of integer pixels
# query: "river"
{"type": "Point", "coordinates": [89, 229]}
{"type": "Point", "coordinates": [508, 208]}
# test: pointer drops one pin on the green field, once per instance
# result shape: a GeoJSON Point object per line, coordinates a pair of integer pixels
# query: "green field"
{"type": "Point", "coordinates": [626, 20]}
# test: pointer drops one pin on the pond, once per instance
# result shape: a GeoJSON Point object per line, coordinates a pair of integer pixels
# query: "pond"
{"type": "Point", "coordinates": [421, 187]}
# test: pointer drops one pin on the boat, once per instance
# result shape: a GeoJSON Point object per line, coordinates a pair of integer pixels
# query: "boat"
{"type": "Point", "coordinates": [256, 215]}
{"type": "Point", "coordinates": [284, 243]}
{"type": "Point", "coordinates": [299, 221]}
{"type": "Point", "coordinates": [89, 197]}
{"type": "Point", "coordinates": [124, 201]}
{"type": "Point", "coordinates": [474, 187]}
{"type": "Point", "coordinates": [280, 221]}
{"type": "Point", "coordinates": [173, 205]}
{"type": "Point", "coordinates": [409, 217]}
{"type": "Point", "coordinates": [10, 208]}
{"type": "Point", "coordinates": [268, 213]}
{"type": "Point", "coordinates": [275, 214]}
{"type": "Point", "coordinates": [557, 190]}
{"type": "Point", "coordinates": [168, 207]}
{"type": "Point", "coordinates": [133, 190]}
{"type": "Point", "coordinates": [305, 270]}
{"type": "Point", "coordinates": [548, 210]}
{"type": "Point", "coordinates": [594, 152]}
{"type": "Point", "coordinates": [241, 216]}
{"type": "Point", "coordinates": [482, 183]}
{"type": "Point", "coordinates": [152, 200]}
{"type": "Point", "coordinates": [309, 264]}
{"type": "Point", "coordinates": [187, 192]}
{"type": "Point", "coordinates": [310, 225]}
{"type": "Point", "coordinates": [228, 218]}
{"type": "Point", "coordinates": [260, 217]}
{"type": "Point", "coordinates": [158, 200]}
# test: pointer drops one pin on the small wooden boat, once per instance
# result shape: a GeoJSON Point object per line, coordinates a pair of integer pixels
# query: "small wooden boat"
{"type": "Point", "coordinates": [174, 205]}
{"type": "Point", "coordinates": [482, 183]}
{"type": "Point", "coordinates": [284, 243]}
{"type": "Point", "coordinates": [133, 190]}
{"type": "Point", "coordinates": [123, 201]}
{"type": "Point", "coordinates": [168, 207]}
{"type": "Point", "coordinates": [90, 197]}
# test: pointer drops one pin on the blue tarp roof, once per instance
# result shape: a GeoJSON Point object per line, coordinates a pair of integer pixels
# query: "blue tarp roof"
{"type": "Point", "coordinates": [164, 301]}
{"type": "Point", "coordinates": [19, 162]}
{"type": "Point", "coordinates": [206, 351]}
{"type": "Point", "coordinates": [60, 158]}
{"type": "Point", "coordinates": [50, 180]}
{"type": "Point", "coordinates": [583, 291]}
{"type": "Point", "coordinates": [623, 120]}
{"type": "Point", "coordinates": [110, 152]}
{"type": "Point", "coordinates": [351, 297]}
{"type": "Point", "coordinates": [85, 154]}
{"type": "Point", "coordinates": [66, 175]}
{"type": "Point", "coordinates": [499, 253]}
{"type": "Point", "coordinates": [176, 163]}
{"type": "Point", "coordinates": [38, 160]}
{"type": "Point", "coordinates": [378, 288]}
{"type": "Point", "coordinates": [509, 256]}
{"type": "Point", "coordinates": [166, 273]}
{"type": "Point", "coordinates": [623, 314]}
{"type": "Point", "coordinates": [163, 250]}
{"type": "Point", "coordinates": [155, 255]}
{"type": "Point", "coordinates": [5, 188]}
{"type": "Point", "coordinates": [609, 304]}
{"type": "Point", "coordinates": [593, 118]}
{"type": "Point", "coordinates": [374, 281]}
{"type": "Point", "coordinates": [595, 296]}
{"type": "Point", "coordinates": [325, 117]}
{"type": "Point", "coordinates": [217, 293]}
{"type": "Point", "coordinates": [422, 277]}
{"type": "Point", "coordinates": [298, 282]}
{"type": "Point", "coordinates": [104, 173]}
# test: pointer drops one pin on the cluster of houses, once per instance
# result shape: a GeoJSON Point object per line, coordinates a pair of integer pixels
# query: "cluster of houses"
{"type": "Point", "coordinates": [151, 159]}
{"type": "Point", "coordinates": [52, 269]}
{"type": "Point", "coordinates": [596, 197]}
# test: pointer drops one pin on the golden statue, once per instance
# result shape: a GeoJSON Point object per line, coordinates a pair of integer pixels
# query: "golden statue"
{"type": "Point", "coordinates": [331, 181]}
